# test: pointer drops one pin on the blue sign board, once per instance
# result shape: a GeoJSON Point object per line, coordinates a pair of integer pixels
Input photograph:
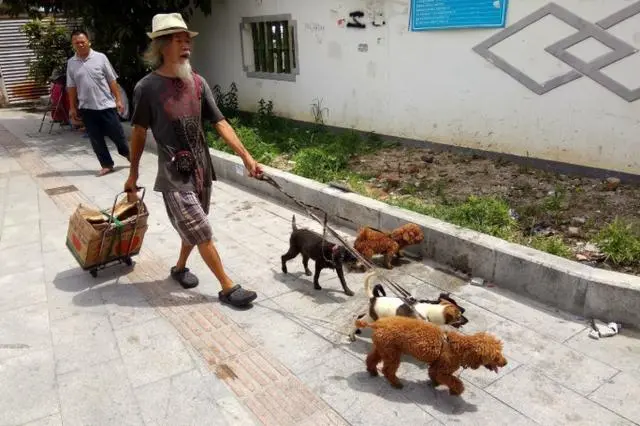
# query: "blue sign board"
{"type": "Point", "coordinates": [446, 14]}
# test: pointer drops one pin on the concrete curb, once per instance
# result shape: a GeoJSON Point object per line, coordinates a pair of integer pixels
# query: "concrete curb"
{"type": "Point", "coordinates": [561, 283]}
{"type": "Point", "coordinates": [558, 282]}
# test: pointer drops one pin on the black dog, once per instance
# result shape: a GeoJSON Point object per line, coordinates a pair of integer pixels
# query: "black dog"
{"type": "Point", "coordinates": [324, 253]}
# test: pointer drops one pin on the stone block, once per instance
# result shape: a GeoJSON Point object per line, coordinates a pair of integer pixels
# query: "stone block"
{"type": "Point", "coordinates": [99, 394]}
{"type": "Point", "coordinates": [546, 402]}
{"type": "Point", "coordinates": [152, 351]}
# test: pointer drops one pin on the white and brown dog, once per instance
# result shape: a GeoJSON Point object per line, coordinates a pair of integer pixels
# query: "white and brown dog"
{"type": "Point", "coordinates": [443, 311]}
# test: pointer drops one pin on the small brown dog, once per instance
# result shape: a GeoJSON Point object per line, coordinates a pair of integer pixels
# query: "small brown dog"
{"type": "Point", "coordinates": [444, 351]}
{"type": "Point", "coordinates": [371, 241]}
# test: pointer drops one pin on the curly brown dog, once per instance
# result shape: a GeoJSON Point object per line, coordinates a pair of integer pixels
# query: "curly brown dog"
{"type": "Point", "coordinates": [444, 351]}
{"type": "Point", "coordinates": [371, 241]}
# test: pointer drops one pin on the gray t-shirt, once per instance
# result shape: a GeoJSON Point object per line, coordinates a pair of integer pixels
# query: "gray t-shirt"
{"type": "Point", "coordinates": [91, 77]}
{"type": "Point", "coordinates": [174, 112]}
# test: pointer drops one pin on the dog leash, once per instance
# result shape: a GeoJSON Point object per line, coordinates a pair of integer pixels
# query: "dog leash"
{"type": "Point", "coordinates": [399, 290]}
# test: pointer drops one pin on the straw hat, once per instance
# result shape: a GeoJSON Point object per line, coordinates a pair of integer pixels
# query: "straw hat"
{"type": "Point", "coordinates": [168, 23]}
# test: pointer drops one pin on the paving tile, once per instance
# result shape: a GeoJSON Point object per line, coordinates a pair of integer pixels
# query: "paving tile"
{"type": "Point", "coordinates": [24, 330]}
{"type": "Point", "coordinates": [54, 420]}
{"type": "Point", "coordinates": [73, 296]}
{"type": "Point", "coordinates": [22, 289]}
{"type": "Point", "coordinates": [565, 365]}
{"type": "Point", "coordinates": [19, 235]}
{"type": "Point", "coordinates": [618, 393]}
{"type": "Point", "coordinates": [21, 258]}
{"type": "Point", "coordinates": [186, 398]}
{"type": "Point", "coordinates": [621, 351]}
{"type": "Point", "coordinates": [81, 341]}
{"type": "Point", "coordinates": [344, 384]}
{"type": "Point", "coordinates": [100, 394]}
{"type": "Point", "coordinates": [125, 305]}
{"type": "Point", "coordinates": [50, 212]}
{"type": "Point", "coordinates": [322, 312]}
{"type": "Point", "coordinates": [54, 235]}
{"type": "Point", "coordinates": [152, 351]}
{"type": "Point", "coordinates": [558, 326]}
{"type": "Point", "coordinates": [235, 413]}
{"type": "Point", "coordinates": [28, 390]}
{"type": "Point", "coordinates": [547, 402]}
{"type": "Point", "coordinates": [59, 264]}
{"type": "Point", "coordinates": [278, 340]}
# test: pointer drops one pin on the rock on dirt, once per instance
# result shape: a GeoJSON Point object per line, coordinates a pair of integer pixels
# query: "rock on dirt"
{"type": "Point", "coordinates": [611, 183]}
{"type": "Point", "coordinates": [578, 221]}
{"type": "Point", "coordinates": [573, 231]}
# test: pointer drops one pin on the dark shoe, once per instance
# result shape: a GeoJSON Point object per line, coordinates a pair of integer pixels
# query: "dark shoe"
{"type": "Point", "coordinates": [237, 296]}
{"type": "Point", "coordinates": [184, 277]}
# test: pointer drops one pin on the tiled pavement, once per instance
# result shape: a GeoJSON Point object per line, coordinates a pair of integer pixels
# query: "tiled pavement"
{"type": "Point", "coordinates": [129, 347]}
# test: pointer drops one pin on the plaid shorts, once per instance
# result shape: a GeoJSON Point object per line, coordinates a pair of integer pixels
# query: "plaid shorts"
{"type": "Point", "coordinates": [188, 215]}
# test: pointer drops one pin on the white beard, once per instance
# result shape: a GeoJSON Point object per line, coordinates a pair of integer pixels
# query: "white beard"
{"type": "Point", "coordinates": [183, 72]}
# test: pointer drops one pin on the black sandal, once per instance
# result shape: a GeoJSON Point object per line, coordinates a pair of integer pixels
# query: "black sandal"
{"type": "Point", "coordinates": [237, 296]}
{"type": "Point", "coordinates": [186, 279]}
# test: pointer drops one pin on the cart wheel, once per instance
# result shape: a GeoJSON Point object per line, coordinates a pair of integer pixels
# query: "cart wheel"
{"type": "Point", "coordinates": [127, 261]}
{"type": "Point", "coordinates": [94, 273]}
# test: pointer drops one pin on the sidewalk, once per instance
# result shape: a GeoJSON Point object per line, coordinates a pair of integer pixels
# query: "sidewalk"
{"type": "Point", "coordinates": [130, 347]}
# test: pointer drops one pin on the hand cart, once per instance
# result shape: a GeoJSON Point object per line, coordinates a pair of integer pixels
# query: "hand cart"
{"type": "Point", "coordinates": [115, 226]}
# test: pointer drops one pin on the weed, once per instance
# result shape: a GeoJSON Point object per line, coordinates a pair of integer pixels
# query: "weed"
{"type": "Point", "coordinates": [554, 203]}
{"type": "Point", "coordinates": [619, 241]}
{"type": "Point", "coordinates": [483, 214]}
{"type": "Point", "coordinates": [265, 117]}
{"type": "Point", "coordinates": [227, 102]}
{"type": "Point", "coordinates": [440, 193]}
{"type": "Point", "coordinates": [552, 245]}
{"type": "Point", "coordinates": [318, 111]}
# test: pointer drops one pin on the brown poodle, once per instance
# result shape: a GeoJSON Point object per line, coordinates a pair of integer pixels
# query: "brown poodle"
{"type": "Point", "coordinates": [371, 241]}
{"type": "Point", "coordinates": [444, 351]}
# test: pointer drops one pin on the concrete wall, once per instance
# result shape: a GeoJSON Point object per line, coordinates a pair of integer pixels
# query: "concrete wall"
{"type": "Point", "coordinates": [435, 86]}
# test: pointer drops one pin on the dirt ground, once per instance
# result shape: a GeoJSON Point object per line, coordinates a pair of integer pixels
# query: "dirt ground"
{"type": "Point", "coordinates": [544, 203]}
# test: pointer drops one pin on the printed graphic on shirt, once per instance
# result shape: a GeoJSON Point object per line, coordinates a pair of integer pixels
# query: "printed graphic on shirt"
{"type": "Point", "coordinates": [181, 104]}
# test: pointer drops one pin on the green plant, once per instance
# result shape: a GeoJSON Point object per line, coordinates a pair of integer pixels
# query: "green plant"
{"type": "Point", "coordinates": [488, 215]}
{"type": "Point", "coordinates": [265, 117]}
{"type": "Point", "coordinates": [51, 46]}
{"type": "Point", "coordinates": [227, 102]}
{"type": "Point", "coordinates": [316, 163]}
{"type": "Point", "coordinates": [552, 245]}
{"type": "Point", "coordinates": [318, 111]}
{"type": "Point", "coordinates": [619, 241]}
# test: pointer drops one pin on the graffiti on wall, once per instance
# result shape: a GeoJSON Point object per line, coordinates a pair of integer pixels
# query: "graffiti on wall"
{"type": "Point", "coordinates": [619, 49]}
{"type": "Point", "coordinates": [357, 19]}
{"type": "Point", "coordinates": [355, 22]}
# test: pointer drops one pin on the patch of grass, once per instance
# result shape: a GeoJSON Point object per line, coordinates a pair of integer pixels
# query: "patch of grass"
{"type": "Point", "coordinates": [619, 241]}
{"type": "Point", "coordinates": [315, 152]}
{"type": "Point", "coordinates": [489, 215]}
{"type": "Point", "coordinates": [552, 245]}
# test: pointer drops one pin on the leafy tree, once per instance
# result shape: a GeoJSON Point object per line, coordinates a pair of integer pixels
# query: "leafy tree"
{"type": "Point", "coordinates": [50, 43]}
{"type": "Point", "coordinates": [117, 28]}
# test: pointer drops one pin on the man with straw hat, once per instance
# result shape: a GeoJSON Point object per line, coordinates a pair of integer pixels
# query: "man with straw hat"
{"type": "Point", "coordinates": [172, 101]}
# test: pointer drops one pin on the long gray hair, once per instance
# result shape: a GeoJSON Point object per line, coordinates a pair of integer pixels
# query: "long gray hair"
{"type": "Point", "coordinates": [153, 55]}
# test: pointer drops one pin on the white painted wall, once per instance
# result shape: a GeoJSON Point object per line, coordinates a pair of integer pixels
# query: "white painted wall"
{"type": "Point", "coordinates": [432, 86]}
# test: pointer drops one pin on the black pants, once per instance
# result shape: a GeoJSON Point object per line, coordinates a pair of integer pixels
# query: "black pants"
{"type": "Point", "coordinates": [101, 123]}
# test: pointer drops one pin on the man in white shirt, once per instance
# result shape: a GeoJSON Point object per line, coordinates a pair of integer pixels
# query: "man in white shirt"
{"type": "Point", "coordinates": [94, 97]}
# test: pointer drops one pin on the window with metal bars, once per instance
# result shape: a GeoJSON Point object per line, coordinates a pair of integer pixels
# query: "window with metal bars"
{"type": "Point", "coordinates": [269, 47]}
